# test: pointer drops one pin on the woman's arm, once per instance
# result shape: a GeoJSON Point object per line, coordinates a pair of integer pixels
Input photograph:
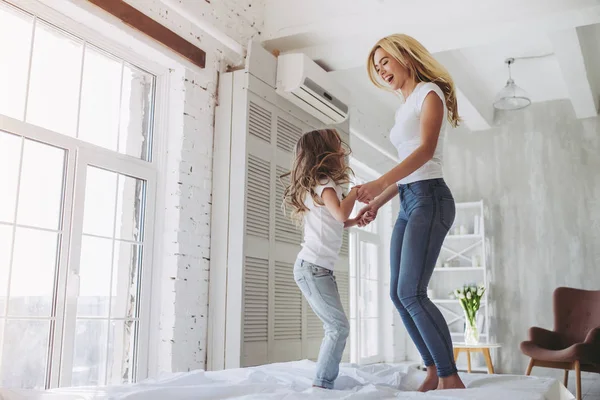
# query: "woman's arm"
{"type": "Point", "coordinates": [389, 193]}
{"type": "Point", "coordinates": [432, 115]}
{"type": "Point", "coordinates": [340, 210]}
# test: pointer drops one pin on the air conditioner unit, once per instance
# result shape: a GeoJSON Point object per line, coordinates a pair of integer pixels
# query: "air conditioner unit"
{"type": "Point", "coordinates": [304, 83]}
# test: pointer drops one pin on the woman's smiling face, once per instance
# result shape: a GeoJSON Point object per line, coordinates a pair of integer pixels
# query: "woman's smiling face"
{"type": "Point", "coordinates": [390, 70]}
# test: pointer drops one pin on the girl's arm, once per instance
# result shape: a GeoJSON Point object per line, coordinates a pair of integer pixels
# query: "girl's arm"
{"type": "Point", "coordinates": [340, 210]}
{"type": "Point", "coordinates": [351, 222]}
{"type": "Point", "coordinates": [432, 115]}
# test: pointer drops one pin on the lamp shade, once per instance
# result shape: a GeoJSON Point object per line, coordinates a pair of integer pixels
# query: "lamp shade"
{"type": "Point", "coordinates": [511, 97]}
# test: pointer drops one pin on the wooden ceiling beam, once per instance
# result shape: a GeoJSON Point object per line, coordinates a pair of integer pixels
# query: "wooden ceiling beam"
{"type": "Point", "coordinates": [143, 23]}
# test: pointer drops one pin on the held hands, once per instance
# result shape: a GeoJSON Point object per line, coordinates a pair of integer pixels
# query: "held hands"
{"type": "Point", "coordinates": [368, 191]}
{"type": "Point", "coordinates": [366, 215]}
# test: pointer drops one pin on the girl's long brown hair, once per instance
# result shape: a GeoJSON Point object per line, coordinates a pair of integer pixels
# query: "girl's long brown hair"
{"type": "Point", "coordinates": [320, 156]}
{"type": "Point", "coordinates": [421, 65]}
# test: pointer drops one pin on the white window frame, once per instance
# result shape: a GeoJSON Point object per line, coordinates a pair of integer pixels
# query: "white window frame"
{"type": "Point", "coordinates": [78, 156]}
{"type": "Point", "coordinates": [63, 14]}
{"type": "Point", "coordinates": [103, 159]}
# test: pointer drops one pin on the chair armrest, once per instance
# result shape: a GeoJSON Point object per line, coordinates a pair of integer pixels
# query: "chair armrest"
{"type": "Point", "coordinates": [593, 336]}
{"type": "Point", "coordinates": [544, 338]}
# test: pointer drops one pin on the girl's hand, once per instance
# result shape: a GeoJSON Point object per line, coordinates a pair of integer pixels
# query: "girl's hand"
{"type": "Point", "coordinates": [369, 191]}
{"type": "Point", "coordinates": [367, 215]}
{"type": "Point", "coordinates": [368, 218]}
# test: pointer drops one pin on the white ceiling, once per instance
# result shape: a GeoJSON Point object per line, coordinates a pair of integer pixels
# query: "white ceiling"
{"type": "Point", "coordinates": [472, 41]}
{"type": "Point", "coordinates": [540, 77]}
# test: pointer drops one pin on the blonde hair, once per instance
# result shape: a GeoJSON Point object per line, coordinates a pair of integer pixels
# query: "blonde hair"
{"type": "Point", "coordinates": [320, 156]}
{"type": "Point", "coordinates": [421, 66]}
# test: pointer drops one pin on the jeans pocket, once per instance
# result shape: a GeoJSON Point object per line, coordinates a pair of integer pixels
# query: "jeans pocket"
{"type": "Point", "coordinates": [447, 211]}
{"type": "Point", "coordinates": [303, 285]}
{"type": "Point", "coordinates": [318, 272]}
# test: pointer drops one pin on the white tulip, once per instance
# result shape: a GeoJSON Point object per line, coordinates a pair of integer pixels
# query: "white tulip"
{"type": "Point", "coordinates": [469, 295]}
{"type": "Point", "coordinates": [461, 296]}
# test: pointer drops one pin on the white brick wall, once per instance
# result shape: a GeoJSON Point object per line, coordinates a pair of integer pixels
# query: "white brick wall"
{"type": "Point", "coordinates": [185, 237]}
{"type": "Point", "coordinates": [241, 20]}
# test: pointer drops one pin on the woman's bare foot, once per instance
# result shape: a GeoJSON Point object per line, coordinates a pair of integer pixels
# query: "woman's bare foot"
{"type": "Point", "coordinates": [451, 382]}
{"type": "Point", "coordinates": [431, 380]}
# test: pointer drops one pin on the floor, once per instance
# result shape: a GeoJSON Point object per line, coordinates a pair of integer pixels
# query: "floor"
{"type": "Point", "coordinates": [590, 386]}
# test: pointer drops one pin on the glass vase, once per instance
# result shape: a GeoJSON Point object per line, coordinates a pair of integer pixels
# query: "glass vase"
{"type": "Point", "coordinates": [471, 332]}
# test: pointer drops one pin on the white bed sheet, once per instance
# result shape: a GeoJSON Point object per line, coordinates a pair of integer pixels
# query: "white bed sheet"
{"type": "Point", "coordinates": [293, 380]}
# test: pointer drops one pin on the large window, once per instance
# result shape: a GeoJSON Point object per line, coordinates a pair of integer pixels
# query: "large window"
{"type": "Point", "coordinates": [76, 209]}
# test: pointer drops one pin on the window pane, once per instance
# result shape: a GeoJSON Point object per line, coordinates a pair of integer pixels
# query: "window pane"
{"type": "Point", "coordinates": [35, 255]}
{"type": "Point", "coordinates": [100, 91]}
{"type": "Point", "coordinates": [120, 352]}
{"type": "Point", "coordinates": [5, 252]}
{"type": "Point", "coordinates": [369, 337]}
{"type": "Point", "coordinates": [16, 29]}
{"type": "Point", "coordinates": [369, 298]}
{"type": "Point", "coordinates": [54, 81]}
{"type": "Point", "coordinates": [129, 208]}
{"type": "Point", "coordinates": [24, 354]}
{"type": "Point", "coordinates": [89, 360]}
{"type": "Point", "coordinates": [126, 267]}
{"type": "Point", "coordinates": [99, 213]}
{"type": "Point", "coordinates": [41, 191]}
{"type": "Point", "coordinates": [94, 276]}
{"type": "Point", "coordinates": [368, 260]}
{"type": "Point", "coordinates": [137, 101]}
{"type": "Point", "coordinates": [10, 153]}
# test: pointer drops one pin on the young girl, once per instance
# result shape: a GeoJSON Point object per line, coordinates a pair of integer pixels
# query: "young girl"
{"type": "Point", "coordinates": [315, 198]}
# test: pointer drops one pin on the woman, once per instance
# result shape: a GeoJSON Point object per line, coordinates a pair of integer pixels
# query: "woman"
{"type": "Point", "coordinates": [427, 207]}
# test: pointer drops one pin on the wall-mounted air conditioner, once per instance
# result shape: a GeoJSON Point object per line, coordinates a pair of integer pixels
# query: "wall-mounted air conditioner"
{"type": "Point", "coordinates": [304, 83]}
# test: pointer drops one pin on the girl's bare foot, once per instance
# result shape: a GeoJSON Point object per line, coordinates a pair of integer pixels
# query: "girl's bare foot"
{"type": "Point", "coordinates": [431, 380]}
{"type": "Point", "coordinates": [451, 382]}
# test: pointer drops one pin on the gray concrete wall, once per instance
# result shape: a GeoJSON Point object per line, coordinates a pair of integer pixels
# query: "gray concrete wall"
{"type": "Point", "coordinates": [539, 173]}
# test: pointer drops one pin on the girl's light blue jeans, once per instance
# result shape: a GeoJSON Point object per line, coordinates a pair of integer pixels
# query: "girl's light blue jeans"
{"type": "Point", "coordinates": [320, 290]}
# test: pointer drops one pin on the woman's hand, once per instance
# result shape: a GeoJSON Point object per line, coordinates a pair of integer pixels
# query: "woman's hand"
{"type": "Point", "coordinates": [369, 191]}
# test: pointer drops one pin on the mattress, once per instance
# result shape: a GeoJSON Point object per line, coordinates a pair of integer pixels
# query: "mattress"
{"type": "Point", "coordinates": [293, 380]}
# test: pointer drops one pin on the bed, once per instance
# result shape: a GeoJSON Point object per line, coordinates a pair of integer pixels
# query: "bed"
{"type": "Point", "coordinates": [292, 380]}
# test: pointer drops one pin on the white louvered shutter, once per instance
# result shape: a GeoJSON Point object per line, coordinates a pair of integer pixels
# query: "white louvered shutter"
{"type": "Point", "coordinates": [256, 305]}
{"type": "Point", "coordinates": [258, 203]}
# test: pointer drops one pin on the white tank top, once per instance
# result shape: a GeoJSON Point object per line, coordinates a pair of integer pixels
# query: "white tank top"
{"type": "Point", "coordinates": [406, 133]}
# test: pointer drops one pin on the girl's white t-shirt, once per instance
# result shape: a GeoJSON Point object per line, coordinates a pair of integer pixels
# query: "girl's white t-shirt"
{"type": "Point", "coordinates": [322, 232]}
{"type": "Point", "coordinates": [406, 133]}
